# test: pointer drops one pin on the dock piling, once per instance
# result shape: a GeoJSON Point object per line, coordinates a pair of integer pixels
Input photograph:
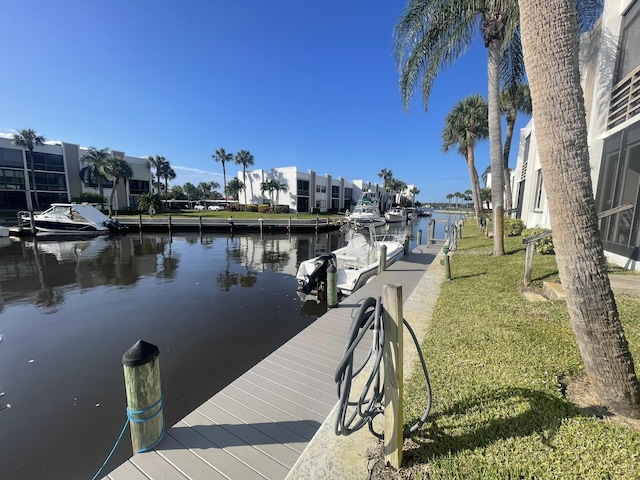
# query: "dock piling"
{"type": "Point", "coordinates": [145, 403]}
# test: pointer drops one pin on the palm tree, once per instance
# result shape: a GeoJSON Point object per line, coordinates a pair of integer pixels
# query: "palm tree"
{"type": "Point", "coordinates": [278, 187]}
{"type": "Point", "coordinates": [96, 162]}
{"type": "Point", "coordinates": [431, 35]}
{"type": "Point", "coordinates": [234, 187]}
{"type": "Point", "coordinates": [387, 176]}
{"type": "Point", "coordinates": [485, 195]}
{"type": "Point", "coordinates": [166, 173]}
{"type": "Point", "coordinates": [267, 186]}
{"type": "Point", "coordinates": [244, 158]}
{"type": "Point", "coordinates": [223, 157]}
{"type": "Point", "coordinates": [516, 98]}
{"type": "Point", "coordinates": [561, 132]}
{"type": "Point", "coordinates": [28, 139]}
{"type": "Point", "coordinates": [414, 191]}
{"type": "Point", "coordinates": [189, 190]}
{"type": "Point", "coordinates": [464, 125]}
{"type": "Point", "coordinates": [117, 169]}
{"type": "Point", "coordinates": [457, 195]}
{"type": "Point", "coordinates": [158, 163]}
{"type": "Point", "coordinates": [449, 197]}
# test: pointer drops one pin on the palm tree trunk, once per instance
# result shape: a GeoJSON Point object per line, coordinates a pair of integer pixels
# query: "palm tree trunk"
{"type": "Point", "coordinates": [511, 121]}
{"type": "Point", "coordinates": [32, 182]}
{"type": "Point", "coordinates": [495, 147]}
{"type": "Point", "coordinates": [561, 131]}
{"type": "Point", "coordinates": [475, 184]}
{"type": "Point", "coordinates": [113, 193]}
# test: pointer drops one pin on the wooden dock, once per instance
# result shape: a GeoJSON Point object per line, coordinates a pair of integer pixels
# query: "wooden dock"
{"type": "Point", "coordinates": [259, 426]}
{"type": "Point", "coordinates": [264, 225]}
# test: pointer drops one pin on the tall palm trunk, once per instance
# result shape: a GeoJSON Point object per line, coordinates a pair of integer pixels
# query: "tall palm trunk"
{"type": "Point", "coordinates": [549, 34]}
{"type": "Point", "coordinates": [32, 181]}
{"type": "Point", "coordinates": [511, 122]}
{"type": "Point", "coordinates": [475, 184]}
{"type": "Point", "coordinates": [495, 146]}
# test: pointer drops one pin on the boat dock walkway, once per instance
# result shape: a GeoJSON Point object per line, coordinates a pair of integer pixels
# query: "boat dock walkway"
{"type": "Point", "coordinates": [275, 421]}
{"type": "Point", "coordinates": [230, 224]}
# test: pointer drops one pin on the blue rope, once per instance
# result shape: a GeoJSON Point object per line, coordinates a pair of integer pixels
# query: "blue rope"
{"type": "Point", "coordinates": [130, 418]}
{"type": "Point", "coordinates": [130, 413]}
{"type": "Point", "coordinates": [124, 429]}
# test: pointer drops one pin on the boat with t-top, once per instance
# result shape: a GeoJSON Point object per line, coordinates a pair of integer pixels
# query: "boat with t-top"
{"type": "Point", "coordinates": [367, 211]}
{"type": "Point", "coordinates": [396, 214]}
{"type": "Point", "coordinates": [355, 263]}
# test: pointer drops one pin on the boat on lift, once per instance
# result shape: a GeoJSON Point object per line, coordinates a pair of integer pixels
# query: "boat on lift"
{"type": "Point", "coordinates": [367, 211]}
{"type": "Point", "coordinates": [396, 214]}
{"type": "Point", "coordinates": [355, 263]}
{"type": "Point", "coordinates": [79, 219]}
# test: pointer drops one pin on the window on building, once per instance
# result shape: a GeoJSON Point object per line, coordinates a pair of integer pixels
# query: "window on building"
{"type": "Point", "coordinates": [138, 187]}
{"type": "Point", "coordinates": [11, 157]}
{"type": "Point", "coordinates": [629, 53]}
{"type": "Point", "coordinates": [303, 188]}
{"type": "Point", "coordinates": [321, 189]}
{"type": "Point", "coordinates": [12, 179]}
{"type": "Point", "coordinates": [619, 186]}
{"type": "Point", "coordinates": [13, 200]}
{"type": "Point", "coordinates": [538, 201]}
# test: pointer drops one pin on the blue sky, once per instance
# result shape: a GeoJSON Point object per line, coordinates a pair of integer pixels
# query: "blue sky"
{"type": "Point", "coordinates": [295, 82]}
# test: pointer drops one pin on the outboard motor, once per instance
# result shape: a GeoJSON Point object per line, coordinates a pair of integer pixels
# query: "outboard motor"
{"type": "Point", "coordinates": [114, 226]}
{"type": "Point", "coordinates": [317, 280]}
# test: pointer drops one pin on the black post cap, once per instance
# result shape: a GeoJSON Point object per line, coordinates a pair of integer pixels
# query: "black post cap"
{"type": "Point", "coordinates": [140, 354]}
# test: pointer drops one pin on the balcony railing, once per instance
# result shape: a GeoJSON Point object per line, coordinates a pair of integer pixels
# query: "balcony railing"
{"type": "Point", "coordinates": [625, 99]}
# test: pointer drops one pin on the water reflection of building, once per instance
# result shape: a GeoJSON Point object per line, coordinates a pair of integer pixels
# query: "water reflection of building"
{"type": "Point", "coordinates": [43, 271]}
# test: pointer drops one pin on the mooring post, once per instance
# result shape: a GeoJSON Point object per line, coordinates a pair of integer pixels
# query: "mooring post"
{"type": "Point", "coordinates": [528, 263]}
{"type": "Point", "coordinates": [332, 286]}
{"type": "Point", "coordinates": [230, 220]}
{"type": "Point", "coordinates": [419, 237]}
{"type": "Point", "coordinates": [447, 264]}
{"type": "Point", "coordinates": [144, 396]}
{"type": "Point", "coordinates": [169, 222]}
{"type": "Point", "coordinates": [140, 222]}
{"type": "Point", "coordinates": [392, 352]}
{"type": "Point", "coordinates": [200, 222]}
{"type": "Point", "coordinates": [382, 255]}
{"type": "Point", "coordinates": [432, 231]}
{"type": "Point", "coordinates": [317, 220]}
{"type": "Point", "coordinates": [261, 220]}
{"type": "Point", "coordinates": [406, 245]}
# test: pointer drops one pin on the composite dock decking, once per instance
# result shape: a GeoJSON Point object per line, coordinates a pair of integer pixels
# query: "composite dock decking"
{"type": "Point", "coordinates": [258, 426]}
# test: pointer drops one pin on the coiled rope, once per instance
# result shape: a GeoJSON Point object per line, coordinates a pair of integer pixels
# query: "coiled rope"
{"type": "Point", "coordinates": [130, 418]}
{"type": "Point", "coordinates": [353, 415]}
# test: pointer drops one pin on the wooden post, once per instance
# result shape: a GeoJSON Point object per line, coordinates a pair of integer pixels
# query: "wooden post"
{"type": "Point", "coordinates": [332, 286]}
{"type": "Point", "coordinates": [447, 263]}
{"type": "Point", "coordinates": [200, 222]}
{"type": "Point", "coordinates": [419, 237]}
{"type": "Point", "coordinates": [261, 220]}
{"type": "Point", "coordinates": [169, 222]}
{"type": "Point", "coordinates": [144, 396]}
{"type": "Point", "coordinates": [317, 220]}
{"type": "Point", "coordinates": [393, 373]}
{"type": "Point", "coordinates": [528, 263]}
{"type": "Point", "coordinates": [382, 255]}
{"type": "Point", "coordinates": [140, 222]}
{"type": "Point", "coordinates": [32, 223]}
{"type": "Point", "coordinates": [432, 231]}
{"type": "Point", "coordinates": [406, 245]}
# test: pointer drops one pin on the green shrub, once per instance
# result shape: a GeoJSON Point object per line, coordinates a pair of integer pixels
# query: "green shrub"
{"type": "Point", "coordinates": [513, 227]}
{"type": "Point", "coordinates": [89, 197]}
{"type": "Point", "coordinates": [544, 245]}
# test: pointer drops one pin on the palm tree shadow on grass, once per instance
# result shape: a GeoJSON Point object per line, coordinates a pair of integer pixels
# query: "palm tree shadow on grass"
{"type": "Point", "coordinates": [544, 416]}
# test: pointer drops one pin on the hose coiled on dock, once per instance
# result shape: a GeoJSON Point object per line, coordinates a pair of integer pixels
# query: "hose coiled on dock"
{"type": "Point", "coordinates": [353, 415]}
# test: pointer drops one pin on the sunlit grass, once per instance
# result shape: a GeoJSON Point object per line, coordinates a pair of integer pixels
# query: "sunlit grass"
{"type": "Point", "coordinates": [494, 358]}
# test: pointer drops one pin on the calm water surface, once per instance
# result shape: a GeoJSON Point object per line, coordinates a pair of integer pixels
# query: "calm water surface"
{"type": "Point", "coordinates": [214, 305]}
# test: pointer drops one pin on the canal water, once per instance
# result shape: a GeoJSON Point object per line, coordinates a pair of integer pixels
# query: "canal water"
{"type": "Point", "coordinates": [215, 305]}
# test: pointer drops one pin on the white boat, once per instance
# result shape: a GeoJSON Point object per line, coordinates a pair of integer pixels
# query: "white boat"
{"type": "Point", "coordinates": [4, 231]}
{"type": "Point", "coordinates": [80, 219]}
{"type": "Point", "coordinates": [356, 264]}
{"type": "Point", "coordinates": [396, 214]}
{"type": "Point", "coordinates": [367, 211]}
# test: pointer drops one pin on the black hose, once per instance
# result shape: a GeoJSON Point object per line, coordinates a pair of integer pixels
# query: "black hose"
{"type": "Point", "coordinates": [353, 415]}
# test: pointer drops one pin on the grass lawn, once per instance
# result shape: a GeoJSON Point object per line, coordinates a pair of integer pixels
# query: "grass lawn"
{"type": "Point", "coordinates": [495, 360]}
